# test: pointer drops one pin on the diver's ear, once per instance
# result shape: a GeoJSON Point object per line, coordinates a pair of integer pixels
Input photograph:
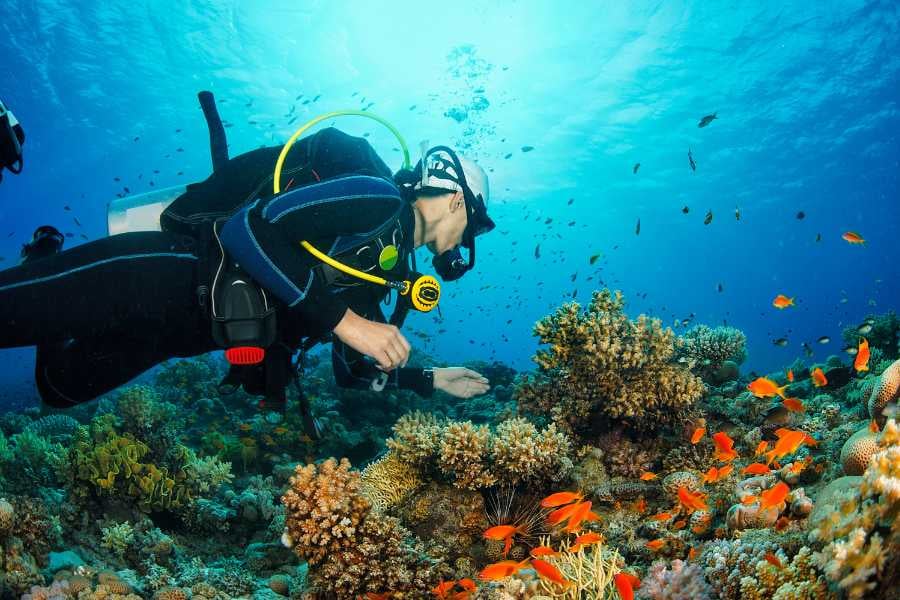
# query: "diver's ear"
{"type": "Point", "coordinates": [456, 201]}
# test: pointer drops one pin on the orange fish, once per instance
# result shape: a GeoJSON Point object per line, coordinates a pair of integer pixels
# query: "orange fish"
{"type": "Point", "coordinates": [788, 443]}
{"type": "Point", "coordinates": [585, 540]}
{"type": "Point", "coordinates": [756, 469]}
{"type": "Point", "coordinates": [647, 476]}
{"type": "Point", "coordinates": [698, 434]}
{"type": "Point", "coordinates": [560, 498]}
{"type": "Point", "coordinates": [790, 375]}
{"type": "Point", "coordinates": [374, 596]}
{"type": "Point", "coordinates": [502, 569]}
{"type": "Point", "coordinates": [679, 524]}
{"type": "Point", "coordinates": [807, 439]}
{"type": "Point", "coordinates": [781, 302]}
{"type": "Point", "coordinates": [280, 430]}
{"type": "Point", "coordinates": [873, 426]}
{"type": "Point", "coordinates": [467, 584]}
{"type": "Point", "coordinates": [763, 387]}
{"type": "Point", "coordinates": [773, 560]}
{"type": "Point", "coordinates": [774, 495]}
{"type": "Point", "coordinates": [691, 501]}
{"type": "Point", "coordinates": [797, 466]}
{"type": "Point", "coordinates": [692, 553]}
{"type": "Point", "coordinates": [724, 471]}
{"type": "Point", "coordinates": [861, 362]}
{"type": "Point", "coordinates": [853, 237]}
{"type": "Point", "coordinates": [793, 404]}
{"type": "Point", "coordinates": [561, 514]}
{"type": "Point", "coordinates": [663, 516]}
{"type": "Point", "coordinates": [761, 448]}
{"type": "Point", "coordinates": [818, 377]}
{"type": "Point", "coordinates": [711, 475]}
{"type": "Point", "coordinates": [441, 589]}
{"type": "Point", "coordinates": [245, 426]}
{"type": "Point", "coordinates": [724, 447]}
{"type": "Point", "coordinates": [549, 572]}
{"type": "Point", "coordinates": [501, 532]}
{"type": "Point", "coordinates": [748, 500]}
{"type": "Point", "coordinates": [656, 544]}
{"type": "Point", "coordinates": [584, 510]}
{"type": "Point", "coordinates": [543, 551]}
{"type": "Point", "coordinates": [626, 583]}
{"type": "Point", "coordinates": [640, 506]}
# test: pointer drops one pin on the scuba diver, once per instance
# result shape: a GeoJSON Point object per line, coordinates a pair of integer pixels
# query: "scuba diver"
{"type": "Point", "coordinates": [265, 276]}
{"type": "Point", "coordinates": [12, 136]}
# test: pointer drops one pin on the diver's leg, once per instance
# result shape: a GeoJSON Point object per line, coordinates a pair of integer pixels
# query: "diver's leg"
{"type": "Point", "coordinates": [76, 371]}
{"type": "Point", "coordinates": [97, 287]}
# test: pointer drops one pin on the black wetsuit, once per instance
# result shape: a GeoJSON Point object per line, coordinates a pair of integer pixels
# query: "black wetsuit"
{"type": "Point", "coordinates": [106, 311]}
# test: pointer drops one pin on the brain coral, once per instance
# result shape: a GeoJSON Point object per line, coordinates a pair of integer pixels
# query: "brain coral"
{"type": "Point", "coordinates": [857, 451]}
{"type": "Point", "coordinates": [601, 364]}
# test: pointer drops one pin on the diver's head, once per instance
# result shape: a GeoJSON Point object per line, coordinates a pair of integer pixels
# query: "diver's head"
{"type": "Point", "coordinates": [451, 195]}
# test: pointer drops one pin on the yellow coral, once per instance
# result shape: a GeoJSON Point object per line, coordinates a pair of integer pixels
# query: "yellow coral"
{"type": "Point", "coordinates": [865, 531]}
{"type": "Point", "coordinates": [388, 480]}
{"type": "Point", "coordinates": [599, 361]}
{"type": "Point", "coordinates": [590, 569]}
{"type": "Point", "coordinates": [520, 452]}
{"type": "Point", "coordinates": [857, 451]}
{"type": "Point", "coordinates": [796, 580]}
{"type": "Point", "coordinates": [464, 449]}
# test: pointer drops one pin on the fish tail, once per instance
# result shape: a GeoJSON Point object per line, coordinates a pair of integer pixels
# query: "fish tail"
{"type": "Point", "coordinates": [780, 391]}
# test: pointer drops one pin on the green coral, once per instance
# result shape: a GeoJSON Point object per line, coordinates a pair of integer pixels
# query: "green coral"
{"type": "Point", "coordinates": [600, 364]}
{"type": "Point", "coordinates": [29, 461]}
{"type": "Point", "coordinates": [117, 537]}
{"type": "Point", "coordinates": [116, 468]}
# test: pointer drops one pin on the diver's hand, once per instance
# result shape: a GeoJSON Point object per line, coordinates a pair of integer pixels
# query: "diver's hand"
{"type": "Point", "coordinates": [380, 341]}
{"type": "Point", "coordinates": [460, 382]}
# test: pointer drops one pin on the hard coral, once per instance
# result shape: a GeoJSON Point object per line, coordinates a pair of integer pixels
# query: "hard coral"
{"type": "Point", "coordinates": [706, 348]}
{"type": "Point", "coordinates": [857, 451]}
{"type": "Point", "coordinates": [351, 549]}
{"type": "Point", "coordinates": [681, 582]}
{"type": "Point", "coordinates": [862, 532]}
{"type": "Point", "coordinates": [601, 364]}
{"type": "Point", "coordinates": [886, 391]}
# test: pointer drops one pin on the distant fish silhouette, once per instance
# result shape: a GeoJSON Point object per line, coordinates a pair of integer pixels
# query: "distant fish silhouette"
{"type": "Point", "coordinates": [685, 209]}
{"type": "Point", "coordinates": [637, 229]}
{"type": "Point", "coordinates": [707, 120]}
{"type": "Point", "coordinates": [636, 167]}
{"type": "Point", "coordinates": [691, 160]}
{"type": "Point", "coordinates": [709, 217]}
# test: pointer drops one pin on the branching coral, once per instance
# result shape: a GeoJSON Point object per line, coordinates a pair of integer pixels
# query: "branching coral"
{"type": "Point", "coordinates": [863, 533]}
{"type": "Point", "coordinates": [600, 363]}
{"type": "Point", "coordinates": [351, 549]}
{"type": "Point", "coordinates": [475, 457]}
{"type": "Point", "coordinates": [708, 347]}
{"type": "Point", "coordinates": [117, 538]}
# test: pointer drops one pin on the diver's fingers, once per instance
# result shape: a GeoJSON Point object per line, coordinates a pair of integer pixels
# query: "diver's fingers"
{"type": "Point", "coordinates": [476, 375]}
{"type": "Point", "coordinates": [384, 360]}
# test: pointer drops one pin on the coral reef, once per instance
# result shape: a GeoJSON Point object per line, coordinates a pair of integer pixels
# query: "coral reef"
{"type": "Point", "coordinates": [885, 393]}
{"type": "Point", "coordinates": [858, 527]}
{"type": "Point", "coordinates": [350, 548]}
{"type": "Point", "coordinates": [601, 364]}
{"type": "Point", "coordinates": [857, 451]}
{"type": "Point", "coordinates": [713, 353]}
{"type": "Point", "coordinates": [680, 582]}
{"type": "Point", "coordinates": [474, 457]}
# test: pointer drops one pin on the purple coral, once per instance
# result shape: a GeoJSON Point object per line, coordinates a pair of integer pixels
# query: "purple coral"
{"type": "Point", "coordinates": [681, 582]}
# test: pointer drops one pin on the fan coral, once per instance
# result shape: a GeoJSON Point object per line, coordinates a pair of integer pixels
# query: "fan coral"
{"type": "Point", "coordinates": [857, 451]}
{"type": "Point", "coordinates": [681, 582]}
{"type": "Point", "coordinates": [707, 348]}
{"type": "Point", "coordinates": [388, 480]}
{"type": "Point", "coordinates": [864, 532]}
{"type": "Point", "coordinates": [351, 549]}
{"type": "Point", "coordinates": [601, 364]}
{"type": "Point", "coordinates": [885, 391]}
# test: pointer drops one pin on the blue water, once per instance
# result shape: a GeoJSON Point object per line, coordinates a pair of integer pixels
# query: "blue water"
{"type": "Point", "coordinates": [806, 95]}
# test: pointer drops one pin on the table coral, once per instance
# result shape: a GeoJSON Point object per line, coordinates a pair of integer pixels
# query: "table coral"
{"type": "Point", "coordinates": [601, 364]}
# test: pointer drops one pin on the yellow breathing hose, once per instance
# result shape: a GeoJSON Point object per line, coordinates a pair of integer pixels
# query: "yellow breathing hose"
{"type": "Point", "coordinates": [402, 286]}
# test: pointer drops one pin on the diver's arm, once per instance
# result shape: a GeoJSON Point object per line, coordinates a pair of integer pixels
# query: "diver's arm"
{"type": "Point", "coordinates": [353, 370]}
